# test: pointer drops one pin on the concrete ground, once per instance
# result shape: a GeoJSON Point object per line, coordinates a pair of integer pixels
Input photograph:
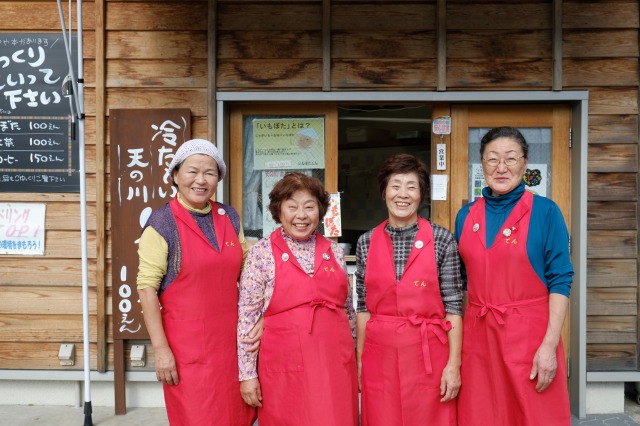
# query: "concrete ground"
{"type": "Point", "coordinates": [25, 415]}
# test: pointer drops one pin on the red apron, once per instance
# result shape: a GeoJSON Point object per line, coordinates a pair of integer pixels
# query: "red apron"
{"type": "Point", "coordinates": [406, 346]}
{"type": "Point", "coordinates": [306, 366]}
{"type": "Point", "coordinates": [504, 325]}
{"type": "Point", "coordinates": [200, 317]}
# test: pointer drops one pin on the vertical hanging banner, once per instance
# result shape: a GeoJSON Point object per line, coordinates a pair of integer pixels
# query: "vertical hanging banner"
{"type": "Point", "coordinates": [143, 143]}
{"type": "Point", "coordinates": [333, 217]}
{"type": "Point", "coordinates": [38, 150]}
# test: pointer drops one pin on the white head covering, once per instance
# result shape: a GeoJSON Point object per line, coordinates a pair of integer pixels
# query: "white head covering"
{"type": "Point", "coordinates": [198, 146]}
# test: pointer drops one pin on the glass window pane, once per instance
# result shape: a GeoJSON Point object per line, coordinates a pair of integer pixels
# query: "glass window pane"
{"type": "Point", "coordinates": [277, 147]}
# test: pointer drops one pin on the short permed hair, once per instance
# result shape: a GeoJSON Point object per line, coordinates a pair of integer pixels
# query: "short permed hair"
{"type": "Point", "coordinates": [292, 182]}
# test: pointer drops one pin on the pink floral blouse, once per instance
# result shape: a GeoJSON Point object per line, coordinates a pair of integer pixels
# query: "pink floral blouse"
{"type": "Point", "coordinates": [256, 288]}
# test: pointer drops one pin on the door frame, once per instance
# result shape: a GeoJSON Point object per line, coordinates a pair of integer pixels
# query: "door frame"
{"type": "Point", "coordinates": [578, 101]}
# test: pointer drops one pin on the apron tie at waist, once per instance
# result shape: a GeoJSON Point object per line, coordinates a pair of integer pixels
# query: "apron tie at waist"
{"type": "Point", "coordinates": [499, 310]}
{"type": "Point", "coordinates": [496, 310]}
{"type": "Point", "coordinates": [437, 326]}
{"type": "Point", "coordinates": [314, 304]}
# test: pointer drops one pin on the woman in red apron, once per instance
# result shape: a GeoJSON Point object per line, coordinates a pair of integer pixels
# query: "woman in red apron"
{"type": "Point", "coordinates": [514, 247]}
{"type": "Point", "coordinates": [409, 324]}
{"type": "Point", "coordinates": [190, 258]}
{"type": "Point", "coordinates": [306, 369]}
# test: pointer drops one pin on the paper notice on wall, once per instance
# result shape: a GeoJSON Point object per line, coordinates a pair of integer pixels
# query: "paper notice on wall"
{"type": "Point", "coordinates": [22, 228]}
{"type": "Point", "coordinates": [439, 187]}
{"type": "Point", "coordinates": [477, 182]}
{"type": "Point", "coordinates": [332, 220]}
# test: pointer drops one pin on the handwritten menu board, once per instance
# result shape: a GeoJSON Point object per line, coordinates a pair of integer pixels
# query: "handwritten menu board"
{"type": "Point", "coordinates": [38, 147]}
{"type": "Point", "coordinates": [143, 143]}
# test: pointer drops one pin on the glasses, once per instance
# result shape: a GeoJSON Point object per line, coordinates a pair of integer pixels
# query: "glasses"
{"type": "Point", "coordinates": [509, 162]}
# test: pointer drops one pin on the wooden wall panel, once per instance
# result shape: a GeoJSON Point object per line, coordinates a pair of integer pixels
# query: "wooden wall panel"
{"type": "Point", "coordinates": [383, 74]}
{"type": "Point", "coordinates": [42, 355]}
{"type": "Point", "coordinates": [613, 129]}
{"type": "Point", "coordinates": [256, 74]}
{"type": "Point", "coordinates": [600, 72]}
{"type": "Point", "coordinates": [612, 273]}
{"type": "Point", "coordinates": [522, 74]}
{"type": "Point", "coordinates": [498, 15]}
{"type": "Point", "coordinates": [262, 44]}
{"type": "Point", "coordinates": [156, 15]}
{"type": "Point", "coordinates": [391, 16]}
{"type": "Point", "coordinates": [612, 215]}
{"type": "Point", "coordinates": [383, 46]}
{"type": "Point", "coordinates": [606, 100]}
{"type": "Point", "coordinates": [599, 43]}
{"type": "Point", "coordinates": [600, 49]}
{"type": "Point", "coordinates": [158, 98]}
{"type": "Point", "coordinates": [38, 300]}
{"type": "Point", "coordinates": [157, 73]}
{"type": "Point", "coordinates": [156, 44]}
{"type": "Point", "coordinates": [612, 186]}
{"type": "Point", "coordinates": [482, 44]}
{"type": "Point", "coordinates": [42, 16]}
{"type": "Point", "coordinates": [408, 44]}
{"type": "Point", "coordinates": [33, 271]}
{"type": "Point", "coordinates": [272, 16]}
{"type": "Point", "coordinates": [615, 158]}
{"type": "Point", "coordinates": [612, 329]}
{"type": "Point", "coordinates": [612, 244]}
{"type": "Point", "coordinates": [50, 328]}
{"type": "Point", "coordinates": [611, 357]}
{"type": "Point", "coordinates": [612, 301]}
{"type": "Point", "coordinates": [600, 14]}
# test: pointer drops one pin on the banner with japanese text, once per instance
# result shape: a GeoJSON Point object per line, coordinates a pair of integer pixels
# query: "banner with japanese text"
{"type": "Point", "coordinates": [143, 143]}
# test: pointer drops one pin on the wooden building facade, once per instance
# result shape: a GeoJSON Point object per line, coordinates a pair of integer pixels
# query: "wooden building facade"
{"type": "Point", "coordinates": [228, 59]}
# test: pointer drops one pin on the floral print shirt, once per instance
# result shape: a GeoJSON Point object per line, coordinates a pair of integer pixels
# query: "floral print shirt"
{"type": "Point", "coordinates": [256, 288]}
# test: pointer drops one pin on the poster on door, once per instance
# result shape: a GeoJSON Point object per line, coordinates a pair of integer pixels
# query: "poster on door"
{"type": "Point", "coordinates": [535, 180]}
{"type": "Point", "coordinates": [288, 143]}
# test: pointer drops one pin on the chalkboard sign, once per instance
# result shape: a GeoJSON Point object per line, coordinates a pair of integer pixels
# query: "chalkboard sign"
{"type": "Point", "coordinates": [38, 147]}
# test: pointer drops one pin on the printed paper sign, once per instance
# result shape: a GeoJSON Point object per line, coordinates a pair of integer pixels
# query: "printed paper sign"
{"type": "Point", "coordinates": [288, 143]}
{"type": "Point", "coordinates": [22, 228]}
{"type": "Point", "coordinates": [332, 220]}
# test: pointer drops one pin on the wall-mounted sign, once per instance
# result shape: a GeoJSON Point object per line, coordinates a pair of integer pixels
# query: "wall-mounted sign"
{"type": "Point", "coordinates": [143, 143]}
{"type": "Point", "coordinates": [37, 148]}
{"type": "Point", "coordinates": [22, 228]}
{"type": "Point", "coordinates": [442, 125]}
